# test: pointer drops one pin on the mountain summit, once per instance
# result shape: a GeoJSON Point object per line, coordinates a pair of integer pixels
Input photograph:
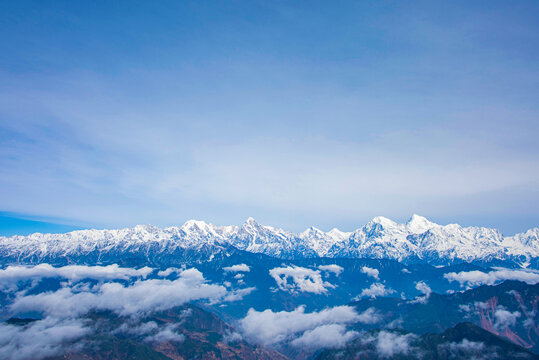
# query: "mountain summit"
{"type": "Point", "coordinates": [418, 240]}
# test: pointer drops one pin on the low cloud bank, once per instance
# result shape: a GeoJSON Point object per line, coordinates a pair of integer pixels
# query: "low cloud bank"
{"type": "Point", "coordinates": [300, 279]}
{"type": "Point", "coordinates": [40, 339]}
{"type": "Point", "coordinates": [325, 336]}
{"type": "Point", "coordinates": [64, 309]}
{"type": "Point", "coordinates": [12, 275]}
{"type": "Point", "coordinates": [389, 344]}
{"type": "Point", "coordinates": [476, 277]}
{"type": "Point", "coordinates": [139, 298]}
{"type": "Point", "coordinates": [327, 327]}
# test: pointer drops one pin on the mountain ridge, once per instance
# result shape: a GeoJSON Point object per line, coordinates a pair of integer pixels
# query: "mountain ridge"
{"type": "Point", "coordinates": [381, 238]}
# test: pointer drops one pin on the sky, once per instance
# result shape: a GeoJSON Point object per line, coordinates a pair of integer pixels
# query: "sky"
{"type": "Point", "coordinates": [296, 113]}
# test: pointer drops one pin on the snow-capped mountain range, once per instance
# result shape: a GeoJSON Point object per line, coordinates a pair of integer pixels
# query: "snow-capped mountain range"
{"type": "Point", "coordinates": [418, 240]}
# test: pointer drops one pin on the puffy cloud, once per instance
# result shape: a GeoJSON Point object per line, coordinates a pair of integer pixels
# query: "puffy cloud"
{"type": "Point", "coordinates": [169, 271]}
{"type": "Point", "coordinates": [374, 273]}
{"type": "Point", "coordinates": [237, 268]}
{"type": "Point", "coordinates": [375, 290]}
{"type": "Point", "coordinates": [39, 339]}
{"type": "Point", "coordinates": [504, 318]}
{"type": "Point", "coordinates": [406, 271]}
{"type": "Point", "coordinates": [476, 277]}
{"type": "Point", "coordinates": [325, 336]}
{"type": "Point", "coordinates": [150, 331]}
{"type": "Point", "coordinates": [135, 328]}
{"type": "Point", "coordinates": [389, 344]}
{"type": "Point", "coordinates": [302, 280]}
{"type": "Point", "coordinates": [14, 274]}
{"type": "Point", "coordinates": [425, 290]}
{"type": "Point", "coordinates": [370, 316]}
{"type": "Point", "coordinates": [268, 327]}
{"type": "Point", "coordinates": [64, 308]}
{"type": "Point", "coordinates": [334, 268]}
{"type": "Point", "coordinates": [465, 347]}
{"type": "Point", "coordinates": [232, 337]}
{"type": "Point", "coordinates": [141, 297]}
{"type": "Point", "coordinates": [165, 333]}
{"type": "Point", "coordinates": [238, 294]}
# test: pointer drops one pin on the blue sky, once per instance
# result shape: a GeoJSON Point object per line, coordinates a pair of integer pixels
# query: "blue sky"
{"type": "Point", "coordinates": [295, 113]}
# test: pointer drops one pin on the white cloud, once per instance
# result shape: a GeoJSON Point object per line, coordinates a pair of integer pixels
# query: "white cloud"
{"type": "Point", "coordinates": [131, 328]}
{"type": "Point", "coordinates": [169, 271]}
{"type": "Point", "coordinates": [150, 331]}
{"type": "Point", "coordinates": [303, 280]}
{"type": "Point", "coordinates": [268, 327]}
{"type": "Point", "coordinates": [476, 277]}
{"type": "Point", "coordinates": [369, 316]}
{"type": "Point", "coordinates": [237, 295]}
{"type": "Point", "coordinates": [425, 290]}
{"type": "Point", "coordinates": [39, 339]}
{"type": "Point", "coordinates": [325, 336]}
{"type": "Point", "coordinates": [232, 337]}
{"type": "Point", "coordinates": [237, 268]}
{"type": "Point", "coordinates": [141, 297]}
{"type": "Point", "coordinates": [62, 309]}
{"type": "Point", "coordinates": [465, 346]}
{"type": "Point", "coordinates": [503, 318]}
{"type": "Point", "coordinates": [334, 268]}
{"type": "Point", "coordinates": [467, 349]}
{"type": "Point", "coordinates": [374, 273]}
{"type": "Point", "coordinates": [375, 290]}
{"type": "Point", "coordinates": [166, 333]}
{"type": "Point", "coordinates": [389, 344]}
{"type": "Point", "coordinates": [14, 274]}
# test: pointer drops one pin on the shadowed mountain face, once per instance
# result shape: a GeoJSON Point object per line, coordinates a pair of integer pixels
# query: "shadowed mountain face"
{"type": "Point", "coordinates": [464, 341]}
{"type": "Point", "coordinates": [508, 310]}
{"type": "Point", "coordinates": [197, 334]}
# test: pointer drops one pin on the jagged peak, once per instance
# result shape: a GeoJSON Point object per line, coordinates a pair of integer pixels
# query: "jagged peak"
{"type": "Point", "coordinates": [338, 232]}
{"type": "Point", "coordinates": [419, 224]}
{"type": "Point", "coordinates": [311, 230]}
{"type": "Point", "coordinates": [251, 221]}
{"type": "Point", "coordinates": [383, 221]}
{"type": "Point", "coordinates": [197, 226]}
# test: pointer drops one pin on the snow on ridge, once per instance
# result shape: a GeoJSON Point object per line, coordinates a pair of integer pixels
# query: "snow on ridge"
{"type": "Point", "coordinates": [380, 238]}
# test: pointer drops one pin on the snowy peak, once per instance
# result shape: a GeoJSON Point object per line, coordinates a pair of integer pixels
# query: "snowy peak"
{"type": "Point", "coordinates": [381, 238]}
{"type": "Point", "coordinates": [385, 222]}
{"type": "Point", "coordinates": [419, 224]}
{"type": "Point", "coordinates": [197, 226]}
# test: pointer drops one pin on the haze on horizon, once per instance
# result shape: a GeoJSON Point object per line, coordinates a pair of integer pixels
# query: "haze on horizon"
{"type": "Point", "coordinates": [297, 114]}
